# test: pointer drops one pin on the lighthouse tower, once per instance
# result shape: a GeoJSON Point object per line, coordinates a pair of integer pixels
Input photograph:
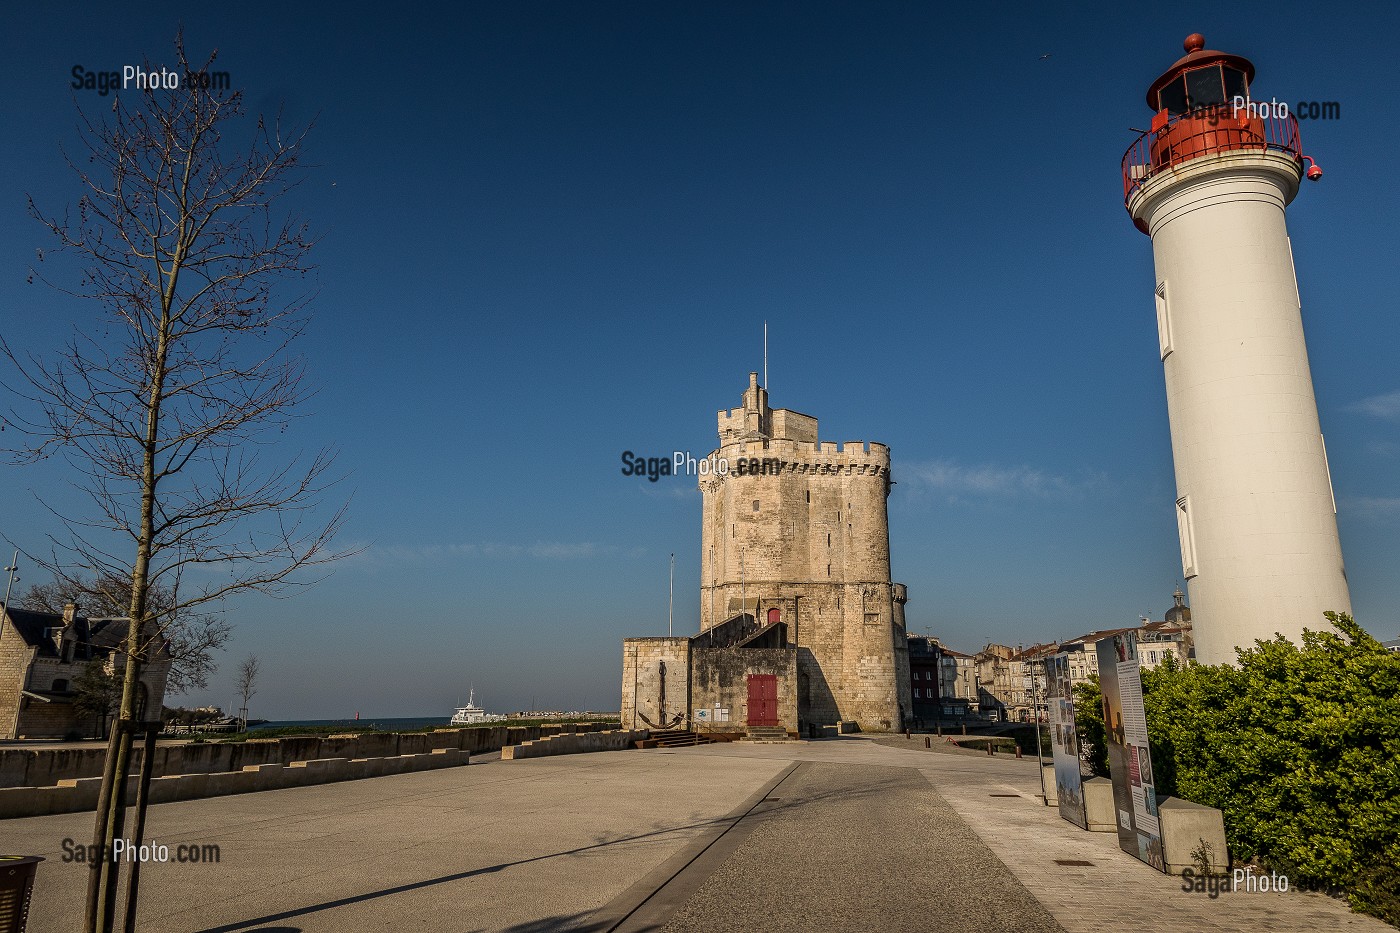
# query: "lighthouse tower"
{"type": "Point", "coordinates": [1257, 518]}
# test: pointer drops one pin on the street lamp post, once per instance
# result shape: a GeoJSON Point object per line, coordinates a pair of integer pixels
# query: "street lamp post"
{"type": "Point", "coordinates": [1035, 711]}
{"type": "Point", "coordinates": [5, 606]}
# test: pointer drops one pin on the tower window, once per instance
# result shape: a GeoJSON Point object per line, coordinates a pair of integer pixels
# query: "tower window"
{"type": "Point", "coordinates": [809, 497]}
{"type": "Point", "coordinates": [828, 570]}
{"type": "Point", "coordinates": [755, 505]}
{"type": "Point", "coordinates": [1188, 538]}
{"type": "Point", "coordinates": [828, 539]}
{"type": "Point", "coordinates": [1164, 322]}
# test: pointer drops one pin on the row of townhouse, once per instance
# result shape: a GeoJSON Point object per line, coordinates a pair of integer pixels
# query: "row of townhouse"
{"type": "Point", "coordinates": [1008, 684]}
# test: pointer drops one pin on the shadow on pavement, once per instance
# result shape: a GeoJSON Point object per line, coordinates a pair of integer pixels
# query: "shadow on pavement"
{"type": "Point", "coordinates": [775, 805]}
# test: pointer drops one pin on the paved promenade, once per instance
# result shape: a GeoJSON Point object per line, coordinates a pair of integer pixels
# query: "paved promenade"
{"type": "Point", "coordinates": [847, 834]}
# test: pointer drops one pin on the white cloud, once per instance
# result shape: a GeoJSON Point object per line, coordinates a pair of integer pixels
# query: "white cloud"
{"type": "Point", "coordinates": [989, 480]}
{"type": "Point", "coordinates": [540, 550]}
{"type": "Point", "coordinates": [1380, 406]}
{"type": "Point", "coordinates": [1373, 506]}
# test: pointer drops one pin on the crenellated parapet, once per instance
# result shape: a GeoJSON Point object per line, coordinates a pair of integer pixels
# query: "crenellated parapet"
{"type": "Point", "coordinates": [781, 457]}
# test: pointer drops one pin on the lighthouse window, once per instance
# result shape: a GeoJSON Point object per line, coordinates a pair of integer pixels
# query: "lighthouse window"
{"type": "Point", "coordinates": [1188, 537]}
{"type": "Point", "coordinates": [1164, 322]}
{"type": "Point", "coordinates": [1173, 97]}
{"type": "Point", "coordinates": [1205, 87]}
{"type": "Point", "coordinates": [1235, 83]}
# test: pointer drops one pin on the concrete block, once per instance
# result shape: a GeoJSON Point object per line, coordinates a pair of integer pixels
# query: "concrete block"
{"type": "Point", "coordinates": [85, 793]}
{"type": "Point", "coordinates": [1047, 779]}
{"type": "Point", "coordinates": [1185, 827]}
{"type": "Point", "coordinates": [230, 782]}
{"type": "Point", "coordinates": [1098, 805]}
{"type": "Point", "coordinates": [846, 727]}
{"type": "Point", "coordinates": [18, 801]}
{"type": "Point", "coordinates": [163, 789]}
{"type": "Point", "coordinates": [192, 786]}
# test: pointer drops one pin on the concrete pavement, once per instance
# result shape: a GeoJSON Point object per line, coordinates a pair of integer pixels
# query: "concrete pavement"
{"type": "Point", "coordinates": [844, 834]}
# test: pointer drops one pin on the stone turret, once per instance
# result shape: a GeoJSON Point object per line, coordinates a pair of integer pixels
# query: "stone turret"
{"type": "Point", "coordinates": [796, 530]}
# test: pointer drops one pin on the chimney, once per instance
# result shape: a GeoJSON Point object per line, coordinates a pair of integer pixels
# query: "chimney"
{"type": "Point", "coordinates": [69, 611]}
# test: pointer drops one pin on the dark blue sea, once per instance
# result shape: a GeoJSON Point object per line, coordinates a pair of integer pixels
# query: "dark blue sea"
{"type": "Point", "coordinates": [364, 722]}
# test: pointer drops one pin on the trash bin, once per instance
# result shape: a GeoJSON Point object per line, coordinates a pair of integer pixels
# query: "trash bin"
{"type": "Point", "coordinates": [16, 883]}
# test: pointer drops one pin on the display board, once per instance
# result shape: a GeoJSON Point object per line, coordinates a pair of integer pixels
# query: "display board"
{"type": "Point", "coordinates": [1129, 761]}
{"type": "Point", "coordinates": [1069, 782]}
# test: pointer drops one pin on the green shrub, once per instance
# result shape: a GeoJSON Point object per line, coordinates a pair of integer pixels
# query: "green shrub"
{"type": "Point", "coordinates": [1299, 747]}
{"type": "Point", "coordinates": [1088, 725]}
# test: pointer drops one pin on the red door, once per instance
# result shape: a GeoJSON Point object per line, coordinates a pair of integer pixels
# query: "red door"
{"type": "Point", "coordinates": [763, 699]}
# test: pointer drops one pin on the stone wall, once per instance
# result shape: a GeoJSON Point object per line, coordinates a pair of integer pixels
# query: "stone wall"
{"type": "Point", "coordinates": [612, 741]}
{"type": "Point", "coordinates": [720, 680]}
{"type": "Point", "coordinates": [643, 660]}
{"type": "Point", "coordinates": [75, 795]}
{"type": "Point", "coordinates": [35, 767]}
{"type": "Point", "coordinates": [15, 656]}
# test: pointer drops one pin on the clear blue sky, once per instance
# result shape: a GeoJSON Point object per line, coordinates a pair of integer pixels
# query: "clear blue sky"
{"type": "Point", "coordinates": [552, 233]}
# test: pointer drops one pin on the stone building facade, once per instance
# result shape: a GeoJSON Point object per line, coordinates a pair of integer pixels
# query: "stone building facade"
{"type": "Point", "coordinates": [795, 558]}
{"type": "Point", "coordinates": [43, 654]}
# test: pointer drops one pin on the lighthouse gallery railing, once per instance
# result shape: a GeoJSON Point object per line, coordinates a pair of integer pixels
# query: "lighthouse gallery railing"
{"type": "Point", "coordinates": [1202, 132]}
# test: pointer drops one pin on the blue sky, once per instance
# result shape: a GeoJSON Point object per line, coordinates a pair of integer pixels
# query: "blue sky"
{"type": "Point", "coordinates": [552, 232]}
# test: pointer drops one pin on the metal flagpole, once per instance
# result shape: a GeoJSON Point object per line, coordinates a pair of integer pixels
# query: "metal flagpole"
{"type": "Point", "coordinates": [671, 603]}
{"type": "Point", "coordinates": [5, 606]}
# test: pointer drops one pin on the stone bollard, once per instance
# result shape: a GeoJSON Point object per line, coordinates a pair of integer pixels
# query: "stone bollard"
{"type": "Point", "coordinates": [906, 735]}
{"type": "Point", "coordinates": [964, 728]}
{"type": "Point", "coordinates": [939, 727]}
{"type": "Point", "coordinates": [1018, 753]}
{"type": "Point", "coordinates": [928, 742]}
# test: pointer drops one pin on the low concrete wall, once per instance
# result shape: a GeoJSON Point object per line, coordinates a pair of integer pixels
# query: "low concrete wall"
{"type": "Point", "coordinates": [1186, 826]}
{"type": "Point", "coordinates": [78, 794]}
{"type": "Point", "coordinates": [614, 741]}
{"type": "Point", "coordinates": [45, 767]}
{"type": "Point", "coordinates": [1098, 805]}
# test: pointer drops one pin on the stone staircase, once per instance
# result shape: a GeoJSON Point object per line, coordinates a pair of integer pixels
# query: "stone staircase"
{"type": "Point", "coordinates": [766, 734]}
{"type": "Point", "coordinates": [673, 738]}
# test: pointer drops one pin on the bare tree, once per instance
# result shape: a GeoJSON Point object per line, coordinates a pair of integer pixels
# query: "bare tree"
{"type": "Point", "coordinates": [191, 637]}
{"type": "Point", "coordinates": [246, 684]}
{"type": "Point", "coordinates": [163, 405]}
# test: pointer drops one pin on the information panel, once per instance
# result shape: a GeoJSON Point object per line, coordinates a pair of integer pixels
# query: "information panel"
{"type": "Point", "coordinates": [1129, 761]}
{"type": "Point", "coordinates": [1069, 782]}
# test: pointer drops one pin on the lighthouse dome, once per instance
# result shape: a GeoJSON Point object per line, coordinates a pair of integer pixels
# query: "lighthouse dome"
{"type": "Point", "coordinates": [1200, 78]}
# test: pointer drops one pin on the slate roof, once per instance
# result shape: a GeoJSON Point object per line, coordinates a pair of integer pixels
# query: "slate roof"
{"type": "Point", "coordinates": [31, 627]}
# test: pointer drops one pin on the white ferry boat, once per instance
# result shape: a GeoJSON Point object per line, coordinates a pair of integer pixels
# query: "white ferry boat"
{"type": "Point", "coordinates": [471, 713]}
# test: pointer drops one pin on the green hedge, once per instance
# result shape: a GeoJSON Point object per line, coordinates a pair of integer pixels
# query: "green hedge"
{"type": "Point", "coordinates": [1299, 747]}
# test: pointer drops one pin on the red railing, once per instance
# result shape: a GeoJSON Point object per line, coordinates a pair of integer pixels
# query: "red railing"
{"type": "Point", "coordinates": [1202, 132]}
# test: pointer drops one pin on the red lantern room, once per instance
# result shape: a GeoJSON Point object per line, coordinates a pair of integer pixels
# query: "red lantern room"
{"type": "Point", "coordinates": [1203, 108]}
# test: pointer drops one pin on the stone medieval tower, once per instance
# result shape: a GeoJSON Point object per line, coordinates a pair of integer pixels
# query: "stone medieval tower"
{"type": "Point", "coordinates": [796, 531]}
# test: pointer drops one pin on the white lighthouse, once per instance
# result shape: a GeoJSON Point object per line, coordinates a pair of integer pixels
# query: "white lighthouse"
{"type": "Point", "coordinates": [1257, 518]}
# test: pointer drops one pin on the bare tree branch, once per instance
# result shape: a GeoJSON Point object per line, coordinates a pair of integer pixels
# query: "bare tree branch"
{"type": "Point", "coordinates": [163, 405]}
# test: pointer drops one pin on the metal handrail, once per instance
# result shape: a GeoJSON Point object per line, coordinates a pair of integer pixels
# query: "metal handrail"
{"type": "Point", "coordinates": [1204, 132]}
